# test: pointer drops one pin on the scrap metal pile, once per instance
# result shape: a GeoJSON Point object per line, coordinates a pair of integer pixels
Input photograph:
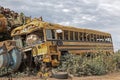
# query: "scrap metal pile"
{"type": "Point", "coordinates": [10, 56]}
{"type": "Point", "coordinates": [9, 20]}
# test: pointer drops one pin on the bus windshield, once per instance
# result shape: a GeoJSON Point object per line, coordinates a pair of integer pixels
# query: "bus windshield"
{"type": "Point", "coordinates": [30, 39]}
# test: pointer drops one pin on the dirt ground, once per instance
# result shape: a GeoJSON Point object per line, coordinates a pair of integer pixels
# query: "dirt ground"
{"type": "Point", "coordinates": [111, 76]}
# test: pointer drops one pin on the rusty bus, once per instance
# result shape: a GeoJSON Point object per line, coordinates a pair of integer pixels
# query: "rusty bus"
{"type": "Point", "coordinates": [40, 41]}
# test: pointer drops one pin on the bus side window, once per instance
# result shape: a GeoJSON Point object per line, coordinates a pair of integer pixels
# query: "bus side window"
{"type": "Point", "coordinates": [84, 36]}
{"type": "Point", "coordinates": [76, 35]}
{"type": "Point", "coordinates": [80, 36]}
{"type": "Point", "coordinates": [101, 38]}
{"type": "Point", "coordinates": [88, 37]}
{"type": "Point", "coordinates": [97, 38]}
{"type": "Point", "coordinates": [59, 36]}
{"type": "Point", "coordinates": [108, 39]}
{"type": "Point", "coordinates": [50, 34]}
{"type": "Point", "coordinates": [71, 35]}
{"type": "Point", "coordinates": [92, 38]}
{"type": "Point", "coordinates": [65, 35]}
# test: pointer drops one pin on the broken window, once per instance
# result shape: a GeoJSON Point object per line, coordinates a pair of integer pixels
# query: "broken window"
{"type": "Point", "coordinates": [80, 36]}
{"type": "Point", "coordinates": [92, 37]}
{"type": "Point", "coordinates": [88, 36]}
{"type": "Point", "coordinates": [100, 38]}
{"type": "Point", "coordinates": [97, 38]}
{"type": "Point", "coordinates": [65, 35]}
{"type": "Point", "coordinates": [84, 36]}
{"type": "Point", "coordinates": [50, 34]}
{"type": "Point", "coordinates": [108, 39]}
{"type": "Point", "coordinates": [59, 36]}
{"type": "Point", "coordinates": [76, 35]}
{"type": "Point", "coordinates": [71, 35]}
{"type": "Point", "coordinates": [34, 37]}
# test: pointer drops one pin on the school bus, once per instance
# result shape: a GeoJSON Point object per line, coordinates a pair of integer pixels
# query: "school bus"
{"type": "Point", "coordinates": [47, 41]}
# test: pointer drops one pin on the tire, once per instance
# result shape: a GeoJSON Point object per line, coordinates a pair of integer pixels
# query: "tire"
{"type": "Point", "coordinates": [61, 75]}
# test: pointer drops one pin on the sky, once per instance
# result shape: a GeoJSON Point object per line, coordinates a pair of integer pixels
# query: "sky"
{"type": "Point", "coordinates": [103, 15]}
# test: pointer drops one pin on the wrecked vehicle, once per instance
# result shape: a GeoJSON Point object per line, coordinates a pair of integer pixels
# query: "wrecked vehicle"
{"type": "Point", "coordinates": [40, 44]}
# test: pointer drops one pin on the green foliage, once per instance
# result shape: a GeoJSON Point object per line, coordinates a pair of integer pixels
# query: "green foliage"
{"type": "Point", "coordinates": [116, 58]}
{"type": "Point", "coordinates": [97, 64]}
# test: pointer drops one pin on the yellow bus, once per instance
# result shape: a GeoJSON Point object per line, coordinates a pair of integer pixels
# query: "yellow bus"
{"type": "Point", "coordinates": [48, 41]}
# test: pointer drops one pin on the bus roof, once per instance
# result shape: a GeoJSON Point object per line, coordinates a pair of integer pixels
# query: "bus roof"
{"type": "Point", "coordinates": [37, 24]}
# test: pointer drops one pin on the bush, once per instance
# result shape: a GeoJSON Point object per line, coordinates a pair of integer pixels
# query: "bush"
{"type": "Point", "coordinates": [116, 59]}
{"type": "Point", "coordinates": [95, 65]}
